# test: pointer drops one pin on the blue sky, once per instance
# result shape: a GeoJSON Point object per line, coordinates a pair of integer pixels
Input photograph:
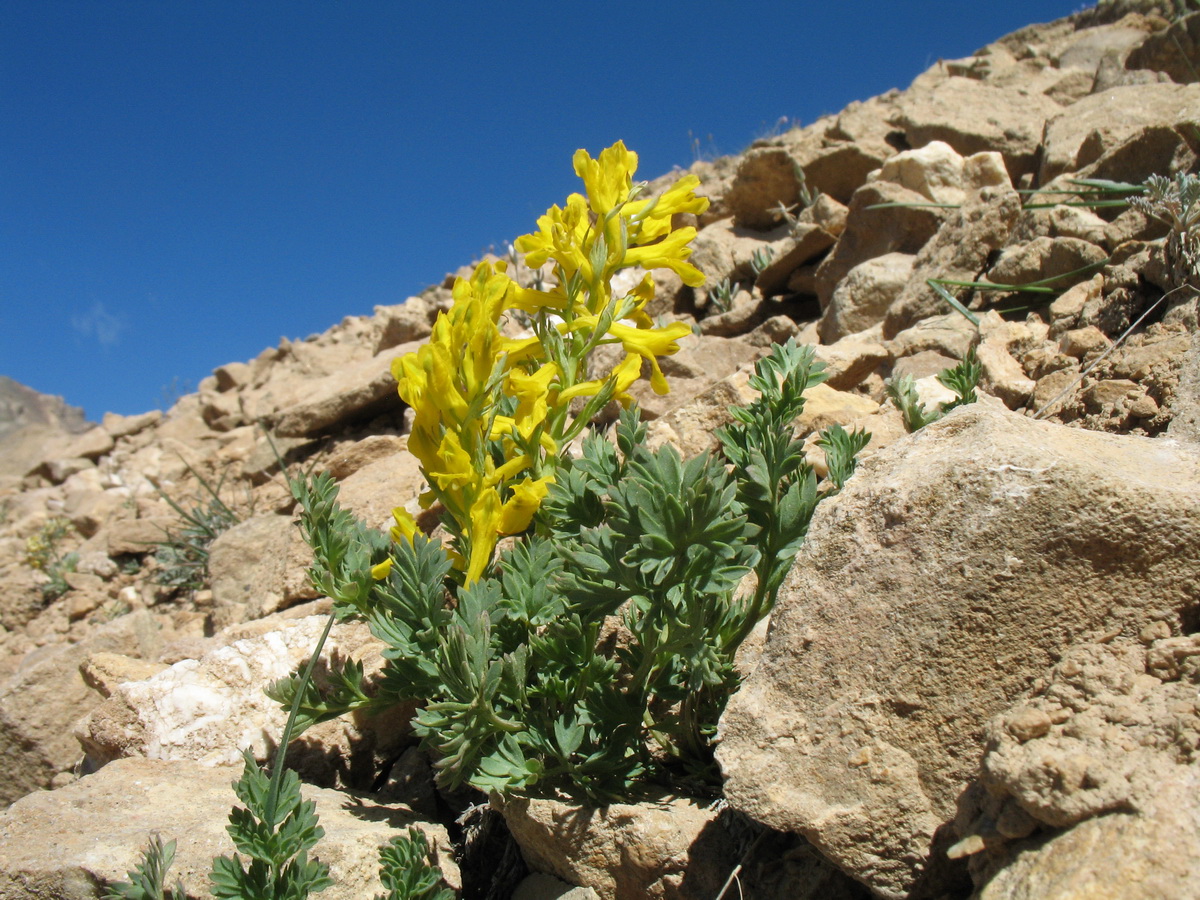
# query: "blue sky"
{"type": "Point", "coordinates": [184, 183]}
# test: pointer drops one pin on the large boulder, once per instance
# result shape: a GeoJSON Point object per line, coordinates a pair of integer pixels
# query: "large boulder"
{"type": "Point", "coordinates": [948, 576]}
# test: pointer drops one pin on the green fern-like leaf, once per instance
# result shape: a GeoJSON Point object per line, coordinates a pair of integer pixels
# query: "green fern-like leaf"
{"type": "Point", "coordinates": [147, 879]}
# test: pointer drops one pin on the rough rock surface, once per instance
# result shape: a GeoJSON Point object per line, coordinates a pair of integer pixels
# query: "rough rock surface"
{"type": "Point", "coordinates": [71, 843]}
{"type": "Point", "coordinates": [41, 702]}
{"type": "Point", "coordinates": [210, 710]}
{"type": "Point", "coordinates": [1107, 748]}
{"type": "Point", "coordinates": [675, 848]}
{"type": "Point", "coordinates": [928, 597]}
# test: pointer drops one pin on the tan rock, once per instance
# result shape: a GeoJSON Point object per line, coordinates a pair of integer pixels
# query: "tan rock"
{"type": "Point", "coordinates": [124, 426]}
{"type": "Point", "coordinates": [672, 848]}
{"type": "Point", "coordinates": [725, 250]}
{"type": "Point", "coordinates": [253, 569]}
{"type": "Point", "coordinates": [950, 335]}
{"type": "Point", "coordinates": [864, 296]}
{"type": "Point", "coordinates": [765, 180]}
{"type": "Point", "coordinates": [232, 376]}
{"type": "Point", "coordinates": [872, 231]}
{"type": "Point", "coordinates": [803, 244]}
{"type": "Point", "coordinates": [89, 510]}
{"type": "Point", "coordinates": [137, 537]}
{"type": "Point", "coordinates": [1002, 375]}
{"type": "Point", "coordinates": [210, 710]}
{"type": "Point", "coordinates": [1172, 51]}
{"type": "Point", "coordinates": [1086, 753]}
{"type": "Point", "coordinates": [825, 406]}
{"type": "Point", "coordinates": [826, 212]}
{"type": "Point", "coordinates": [40, 703]}
{"type": "Point", "coordinates": [1068, 306]}
{"type": "Point", "coordinates": [841, 168]}
{"type": "Point", "coordinates": [355, 392]}
{"type": "Point", "coordinates": [935, 171]}
{"type": "Point", "coordinates": [411, 321]}
{"type": "Point", "coordinates": [103, 671]}
{"type": "Point", "coordinates": [91, 444]}
{"type": "Point", "coordinates": [1096, 126]}
{"type": "Point", "coordinates": [376, 489]}
{"type": "Point", "coordinates": [851, 359]}
{"type": "Point", "coordinates": [546, 887]}
{"type": "Point", "coordinates": [930, 595]}
{"type": "Point", "coordinates": [1043, 258]}
{"type": "Point", "coordinates": [373, 448]}
{"type": "Point", "coordinates": [958, 252]}
{"type": "Point", "coordinates": [65, 843]}
{"type": "Point", "coordinates": [972, 117]}
{"type": "Point", "coordinates": [1084, 343]}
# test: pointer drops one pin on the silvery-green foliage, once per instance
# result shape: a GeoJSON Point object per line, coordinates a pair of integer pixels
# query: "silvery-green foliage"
{"type": "Point", "coordinates": [148, 879]}
{"type": "Point", "coordinates": [1176, 202]}
{"type": "Point", "coordinates": [597, 655]}
{"type": "Point", "coordinates": [405, 871]}
{"type": "Point", "coordinates": [963, 379]}
{"type": "Point", "coordinates": [275, 833]}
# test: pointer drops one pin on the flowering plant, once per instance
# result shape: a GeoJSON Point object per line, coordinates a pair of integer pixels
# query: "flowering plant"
{"type": "Point", "coordinates": [597, 653]}
{"type": "Point", "coordinates": [492, 414]}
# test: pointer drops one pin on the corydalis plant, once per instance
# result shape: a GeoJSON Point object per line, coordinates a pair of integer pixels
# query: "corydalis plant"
{"type": "Point", "coordinates": [492, 414]}
{"type": "Point", "coordinates": [598, 655]}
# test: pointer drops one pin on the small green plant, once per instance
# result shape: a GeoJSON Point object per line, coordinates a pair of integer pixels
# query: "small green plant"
{"type": "Point", "coordinates": [1176, 202]}
{"type": "Point", "coordinates": [761, 258]}
{"type": "Point", "coordinates": [406, 873]}
{"type": "Point", "coordinates": [182, 556]}
{"type": "Point", "coordinates": [722, 294]}
{"type": "Point", "coordinates": [147, 881]}
{"type": "Point", "coordinates": [275, 829]}
{"type": "Point", "coordinates": [963, 379]}
{"type": "Point", "coordinates": [43, 552]}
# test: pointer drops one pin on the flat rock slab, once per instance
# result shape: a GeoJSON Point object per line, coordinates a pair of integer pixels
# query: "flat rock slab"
{"type": "Point", "coordinates": [951, 573]}
{"type": "Point", "coordinates": [70, 843]}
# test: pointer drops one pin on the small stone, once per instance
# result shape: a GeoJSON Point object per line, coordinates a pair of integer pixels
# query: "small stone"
{"type": "Point", "coordinates": [1084, 342]}
{"type": "Point", "coordinates": [1028, 723]}
{"type": "Point", "coordinates": [1155, 631]}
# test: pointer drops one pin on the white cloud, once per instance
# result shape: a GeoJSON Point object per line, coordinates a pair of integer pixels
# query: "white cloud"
{"type": "Point", "coordinates": [100, 324]}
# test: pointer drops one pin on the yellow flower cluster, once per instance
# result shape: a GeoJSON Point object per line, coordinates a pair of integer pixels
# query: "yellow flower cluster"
{"type": "Point", "coordinates": [491, 413]}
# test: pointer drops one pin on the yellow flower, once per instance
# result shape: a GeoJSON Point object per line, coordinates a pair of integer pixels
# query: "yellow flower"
{"type": "Point", "coordinates": [561, 236]}
{"type": "Point", "coordinates": [482, 528]}
{"type": "Point", "coordinates": [623, 375]}
{"type": "Point", "coordinates": [518, 510]}
{"type": "Point", "coordinates": [459, 383]}
{"type": "Point", "coordinates": [650, 343]}
{"type": "Point", "coordinates": [532, 392]}
{"type": "Point", "coordinates": [381, 571]}
{"type": "Point", "coordinates": [652, 218]}
{"type": "Point", "coordinates": [669, 253]}
{"type": "Point", "coordinates": [454, 465]}
{"type": "Point", "coordinates": [607, 179]}
{"type": "Point", "coordinates": [405, 528]}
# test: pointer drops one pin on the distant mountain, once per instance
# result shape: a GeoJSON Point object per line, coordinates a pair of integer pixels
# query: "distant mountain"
{"type": "Point", "coordinates": [21, 406]}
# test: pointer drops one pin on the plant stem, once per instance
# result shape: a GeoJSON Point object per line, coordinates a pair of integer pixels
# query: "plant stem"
{"type": "Point", "coordinates": [277, 768]}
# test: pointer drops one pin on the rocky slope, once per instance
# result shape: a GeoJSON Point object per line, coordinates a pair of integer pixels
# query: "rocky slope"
{"type": "Point", "coordinates": [981, 679]}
